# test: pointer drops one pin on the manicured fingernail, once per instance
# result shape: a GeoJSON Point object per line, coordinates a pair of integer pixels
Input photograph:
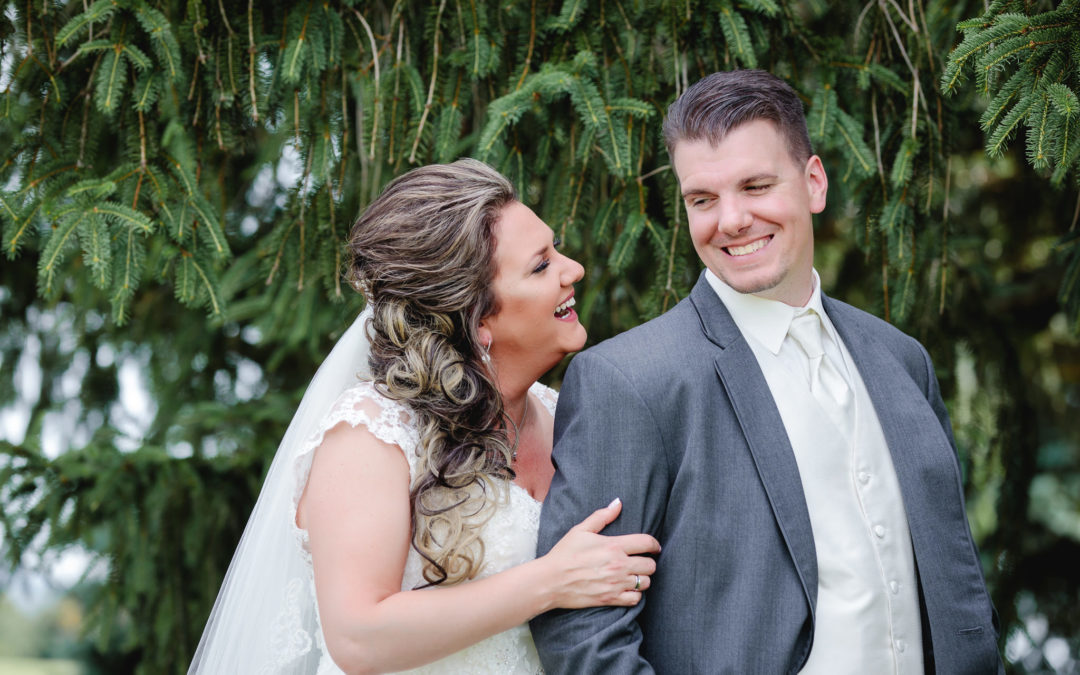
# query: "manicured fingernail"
{"type": "Point", "coordinates": [614, 502]}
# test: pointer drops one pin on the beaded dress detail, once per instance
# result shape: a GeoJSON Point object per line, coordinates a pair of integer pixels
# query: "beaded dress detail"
{"type": "Point", "coordinates": [509, 539]}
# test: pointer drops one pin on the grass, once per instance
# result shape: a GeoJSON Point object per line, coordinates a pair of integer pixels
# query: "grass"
{"type": "Point", "coordinates": [18, 666]}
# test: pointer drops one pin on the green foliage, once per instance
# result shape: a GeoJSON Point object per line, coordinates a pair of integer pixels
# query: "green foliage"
{"type": "Point", "coordinates": [180, 177]}
{"type": "Point", "coordinates": [737, 35]}
{"type": "Point", "coordinates": [81, 21]}
{"type": "Point", "coordinates": [1027, 62]}
{"type": "Point", "coordinates": [88, 496]}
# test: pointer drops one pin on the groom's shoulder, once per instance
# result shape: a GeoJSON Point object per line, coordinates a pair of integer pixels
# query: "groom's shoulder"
{"type": "Point", "coordinates": [870, 324]}
{"type": "Point", "coordinates": [654, 339]}
{"type": "Point", "coordinates": [897, 342]}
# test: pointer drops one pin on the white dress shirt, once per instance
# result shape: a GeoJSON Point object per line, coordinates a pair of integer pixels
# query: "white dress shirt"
{"type": "Point", "coordinates": [867, 612]}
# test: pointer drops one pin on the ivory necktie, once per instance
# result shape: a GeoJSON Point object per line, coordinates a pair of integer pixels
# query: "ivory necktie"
{"type": "Point", "coordinates": [827, 384]}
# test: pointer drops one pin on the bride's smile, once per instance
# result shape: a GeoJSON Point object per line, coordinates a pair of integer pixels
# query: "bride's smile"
{"type": "Point", "coordinates": [534, 292]}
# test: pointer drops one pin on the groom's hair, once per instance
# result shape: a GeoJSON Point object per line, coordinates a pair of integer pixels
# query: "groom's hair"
{"type": "Point", "coordinates": [718, 103]}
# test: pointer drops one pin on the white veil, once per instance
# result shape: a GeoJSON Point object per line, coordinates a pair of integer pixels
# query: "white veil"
{"type": "Point", "coordinates": [263, 620]}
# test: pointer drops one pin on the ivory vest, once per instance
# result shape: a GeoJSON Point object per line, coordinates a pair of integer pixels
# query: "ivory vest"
{"type": "Point", "coordinates": [867, 613]}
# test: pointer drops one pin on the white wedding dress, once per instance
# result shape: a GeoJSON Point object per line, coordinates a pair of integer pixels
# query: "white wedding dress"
{"type": "Point", "coordinates": [509, 539]}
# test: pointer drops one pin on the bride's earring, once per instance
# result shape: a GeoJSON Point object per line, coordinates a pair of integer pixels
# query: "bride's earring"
{"type": "Point", "coordinates": [486, 356]}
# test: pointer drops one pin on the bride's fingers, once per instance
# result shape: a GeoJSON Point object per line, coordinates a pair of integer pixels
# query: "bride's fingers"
{"type": "Point", "coordinates": [601, 518]}
{"type": "Point", "coordinates": [639, 581]}
{"type": "Point", "coordinates": [636, 544]}
{"type": "Point", "coordinates": [643, 567]}
{"type": "Point", "coordinates": [628, 598]}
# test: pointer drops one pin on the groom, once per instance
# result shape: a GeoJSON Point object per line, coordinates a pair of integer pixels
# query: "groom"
{"type": "Point", "coordinates": [791, 453]}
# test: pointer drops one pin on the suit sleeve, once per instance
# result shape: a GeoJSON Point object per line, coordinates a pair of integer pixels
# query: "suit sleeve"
{"type": "Point", "coordinates": [607, 445]}
{"type": "Point", "coordinates": [933, 395]}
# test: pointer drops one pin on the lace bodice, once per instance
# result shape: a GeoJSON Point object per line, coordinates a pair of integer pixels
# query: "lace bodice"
{"type": "Point", "coordinates": [509, 537]}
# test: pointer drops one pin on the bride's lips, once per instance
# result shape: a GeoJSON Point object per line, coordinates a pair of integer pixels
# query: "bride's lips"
{"type": "Point", "coordinates": [565, 309]}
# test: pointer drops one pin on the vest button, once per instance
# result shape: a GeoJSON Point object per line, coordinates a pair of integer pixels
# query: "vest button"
{"type": "Point", "coordinates": [879, 531]}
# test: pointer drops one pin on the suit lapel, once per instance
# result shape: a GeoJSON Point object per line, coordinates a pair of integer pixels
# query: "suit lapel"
{"type": "Point", "coordinates": [912, 430]}
{"type": "Point", "coordinates": [763, 428]}
{"type": "Point", "coordinates": [929, 476]}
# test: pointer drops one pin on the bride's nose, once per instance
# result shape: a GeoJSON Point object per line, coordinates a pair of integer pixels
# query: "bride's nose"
{"type": "Point", "coordinates": [572, 272]}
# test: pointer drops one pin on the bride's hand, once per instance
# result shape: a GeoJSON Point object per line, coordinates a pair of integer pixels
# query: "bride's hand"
{"type": "Point", "coordinates": [592, 570]}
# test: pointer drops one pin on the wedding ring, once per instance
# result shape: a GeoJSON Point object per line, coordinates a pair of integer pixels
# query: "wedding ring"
{"type": "Point", "coordinates": [637, 582]}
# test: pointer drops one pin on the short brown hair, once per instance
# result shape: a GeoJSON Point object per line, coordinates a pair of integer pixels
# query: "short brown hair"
{"type": "Point", "coordinates": [717, 103]}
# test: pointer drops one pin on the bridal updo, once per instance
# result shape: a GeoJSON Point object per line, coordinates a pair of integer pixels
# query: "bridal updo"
{"type": "Point", "coordinates": [423, 256]}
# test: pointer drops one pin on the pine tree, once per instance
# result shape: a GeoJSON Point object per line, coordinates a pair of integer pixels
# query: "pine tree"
{"type": "Point", "coordinates": [129, 152]}
{"type": "Point", "coordinates": [180, 178]}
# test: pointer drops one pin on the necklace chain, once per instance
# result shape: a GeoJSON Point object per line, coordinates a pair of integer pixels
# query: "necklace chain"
{"type": "Point", "coordinates": [517, 429]}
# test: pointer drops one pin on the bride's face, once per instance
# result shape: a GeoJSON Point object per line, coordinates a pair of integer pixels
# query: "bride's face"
{"type": "Point", "coordinates": [536, 324]}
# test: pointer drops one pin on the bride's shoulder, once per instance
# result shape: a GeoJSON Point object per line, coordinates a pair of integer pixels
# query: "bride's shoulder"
{"type": "Point", "coordinates": [548, 396]}
{"type": "Point", "coordinates": [363, 405]}
{"type": "Point", "coordinates": [364, 393]}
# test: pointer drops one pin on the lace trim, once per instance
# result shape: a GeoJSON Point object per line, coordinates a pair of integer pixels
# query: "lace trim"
{"type": "Point", "coordinates": [394, 424]}
{"type": "Point", "coordinates": [290, 639]}
{"type": "Point", "coordinates": [548, 396]}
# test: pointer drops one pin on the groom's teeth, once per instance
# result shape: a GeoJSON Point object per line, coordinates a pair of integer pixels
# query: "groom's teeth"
{"type": "Point", "coordinates": [749, 248]}
{"type": "Point", "coordinates": [562, 309]}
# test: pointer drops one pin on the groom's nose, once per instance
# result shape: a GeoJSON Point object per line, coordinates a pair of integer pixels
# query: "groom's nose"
{"type": "Point", "coordinates": [732, 216]}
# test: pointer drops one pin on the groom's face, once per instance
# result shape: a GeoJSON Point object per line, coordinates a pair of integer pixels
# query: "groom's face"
{"type": "Point", "coordinates": [749, 205]}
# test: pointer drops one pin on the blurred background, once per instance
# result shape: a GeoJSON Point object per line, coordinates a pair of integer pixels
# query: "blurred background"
{"type": "Point", "coordinates": [178, 180]}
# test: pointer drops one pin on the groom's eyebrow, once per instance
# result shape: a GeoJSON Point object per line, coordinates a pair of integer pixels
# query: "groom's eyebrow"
{"type": "Point", "coordinates": [692, 190]}
{"type": "Point", "coordinates": [757, 178]}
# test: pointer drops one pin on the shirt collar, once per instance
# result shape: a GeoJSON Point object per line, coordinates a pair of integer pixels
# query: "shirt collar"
{"type": "Point", "coordinates": [767, 321]}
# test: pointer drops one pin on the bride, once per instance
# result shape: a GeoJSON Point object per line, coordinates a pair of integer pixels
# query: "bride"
{"type": "Point", "coordinates": [396, 528]}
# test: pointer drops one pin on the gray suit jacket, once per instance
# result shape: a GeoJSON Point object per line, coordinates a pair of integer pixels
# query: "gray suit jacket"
{"type": "Point", "coordinates": [676, 419]}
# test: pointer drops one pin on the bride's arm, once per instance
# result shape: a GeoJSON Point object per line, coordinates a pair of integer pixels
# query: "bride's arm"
{"type": "Point", "coordinates": [356, 511]}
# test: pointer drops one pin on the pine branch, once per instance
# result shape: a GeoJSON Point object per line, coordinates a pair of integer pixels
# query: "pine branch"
{"type": "Point", "coordinates": [99, 11]}
{"type": "Point", "coordinates": [737, 35]}
{"type": "Point", "coordinates": [626, 243]}
{"type": "Point", "coordinates": [57, 245]}
{"type": "Point", "coordinates": [431, 86]}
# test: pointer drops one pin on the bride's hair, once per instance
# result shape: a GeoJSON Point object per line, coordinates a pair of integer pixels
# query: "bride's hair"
{"type": "Point", "coordinates": [423, 255]}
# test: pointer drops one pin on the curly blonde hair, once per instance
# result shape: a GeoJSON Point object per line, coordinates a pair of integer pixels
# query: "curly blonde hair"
{"type": "Point", "coordinates": [423, 255]}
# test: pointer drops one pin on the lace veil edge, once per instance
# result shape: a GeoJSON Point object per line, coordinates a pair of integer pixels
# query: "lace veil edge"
{"type": "Point", "coordinates": [264, 617]}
